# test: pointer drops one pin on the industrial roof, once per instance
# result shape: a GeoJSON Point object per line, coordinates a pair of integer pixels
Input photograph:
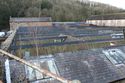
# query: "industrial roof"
{"type": "Point", "coordinates": [22, 74]}
{"type": "Point", "coordinates": [88, 66]}
{"type": "Point", "coordinates": [101, 65]}
{"type": "Point", "coordinates": [31, 19]}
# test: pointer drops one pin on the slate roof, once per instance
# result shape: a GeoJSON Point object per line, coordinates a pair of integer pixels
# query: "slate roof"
{"type": "Point", "coordinates": [21, 73]}
{"type": "Point", "coordinates": [31, 19]}
{"type": "Point", "coordinates": [88, 66]}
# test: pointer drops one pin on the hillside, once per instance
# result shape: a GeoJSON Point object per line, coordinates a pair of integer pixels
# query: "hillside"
{"type": "Point", "coordinates": [59, 10]}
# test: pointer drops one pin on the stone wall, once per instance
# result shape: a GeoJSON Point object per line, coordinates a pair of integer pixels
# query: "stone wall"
{"type": "Point", "coordinates": [14, 25]}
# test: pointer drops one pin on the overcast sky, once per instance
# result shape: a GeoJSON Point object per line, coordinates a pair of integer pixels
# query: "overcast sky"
{"type": "Point", "coordinates": [117, 3]}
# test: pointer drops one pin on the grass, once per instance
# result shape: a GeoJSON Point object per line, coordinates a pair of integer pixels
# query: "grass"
{"type": "Point", "coordinates": [96, 37]}
{"type": "Point", "coordinates": [59, 40]}
{"type": "Point", "coordinates": [66, 48]}
{"type": "Point", "coordinates": [37, 41]}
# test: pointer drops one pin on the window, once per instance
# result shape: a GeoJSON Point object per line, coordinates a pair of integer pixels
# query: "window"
{"type": "Point", "coordinates": [116, 56]}
{"type": "Point", "coordinates": [34, 75]}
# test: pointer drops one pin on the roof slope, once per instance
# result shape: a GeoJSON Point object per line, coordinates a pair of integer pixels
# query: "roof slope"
{"type": "Point", "coordinates": [88, 66]}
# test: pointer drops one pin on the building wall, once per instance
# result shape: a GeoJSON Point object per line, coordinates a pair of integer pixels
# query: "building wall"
{"type": "Point", "coordinates": [116, 23]}
{"type": "Point", "coordinates": [14, 25]}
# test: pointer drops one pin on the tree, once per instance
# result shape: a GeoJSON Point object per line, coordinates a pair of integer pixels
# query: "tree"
{"type": "Point", "coordinates": [59, 10]}
{"type": "Point", "coordinates": [46, 5]}
{"type": "Point", "coordinates": [32, 12]}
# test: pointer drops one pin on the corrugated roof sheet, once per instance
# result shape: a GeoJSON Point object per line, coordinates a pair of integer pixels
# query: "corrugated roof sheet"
{"type": "Point", "coordinates": [31, 19]}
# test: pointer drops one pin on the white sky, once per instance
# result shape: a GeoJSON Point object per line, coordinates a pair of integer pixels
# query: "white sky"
{"type": "Point", "coordinates": [117, 3]}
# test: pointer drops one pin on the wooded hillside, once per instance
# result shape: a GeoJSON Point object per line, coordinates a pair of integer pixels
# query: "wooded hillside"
{"type": "Point", "coordinates": [59, 10]}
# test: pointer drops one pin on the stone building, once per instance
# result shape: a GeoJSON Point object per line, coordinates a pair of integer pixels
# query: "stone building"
{"type": "Point", "coordinates": [29, 21]}
{"type": "Point", "coordinates": [110, 20]}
